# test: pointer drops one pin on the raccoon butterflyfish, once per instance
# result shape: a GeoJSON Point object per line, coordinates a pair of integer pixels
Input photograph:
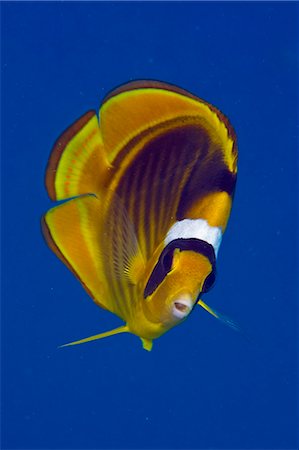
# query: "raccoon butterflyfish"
{"type": "Point", "coordinates": [149, 186]}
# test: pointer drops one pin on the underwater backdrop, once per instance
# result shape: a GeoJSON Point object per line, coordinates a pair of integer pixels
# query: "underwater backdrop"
{"type": "Point", "coordinates": [203, 385]}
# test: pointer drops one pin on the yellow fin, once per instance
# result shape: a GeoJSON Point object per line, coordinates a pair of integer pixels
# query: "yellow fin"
{"type": "Point", "coordinates": [207, 308]}
{"type": "Point", "coordinates": [226, 320]}
{"type": "Point", "coordinates": [123, 329]}
{"type": "Point", "coordinates": [72, 231]}
{"type": "Point", "coordinates": [147, 344]}
{"type": "Point", "coordinates": [77, 164]}
{"type": "Point", "coordinates": [146, 103]}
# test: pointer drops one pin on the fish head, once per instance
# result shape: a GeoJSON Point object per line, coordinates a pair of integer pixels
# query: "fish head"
{"type": "Point", "coordinates": [173, 298]}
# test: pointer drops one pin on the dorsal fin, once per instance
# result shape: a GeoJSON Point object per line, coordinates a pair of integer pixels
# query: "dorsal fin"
{"type": "Point", "coordinates": [146, 103]}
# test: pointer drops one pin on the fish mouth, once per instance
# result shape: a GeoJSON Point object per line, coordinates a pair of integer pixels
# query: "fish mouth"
{"type": "Point", "coordinates": [182, 307]}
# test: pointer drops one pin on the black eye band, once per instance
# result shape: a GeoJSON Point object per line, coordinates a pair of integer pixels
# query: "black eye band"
{"type": "Point", "coordinates": [164, 263]}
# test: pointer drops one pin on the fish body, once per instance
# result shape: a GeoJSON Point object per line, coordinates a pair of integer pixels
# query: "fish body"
{"type": "Point", "coordinates": [149, 188]}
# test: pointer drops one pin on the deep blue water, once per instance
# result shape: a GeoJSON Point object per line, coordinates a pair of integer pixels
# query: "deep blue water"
{"type": "Point", "coordinates": [203, 385]}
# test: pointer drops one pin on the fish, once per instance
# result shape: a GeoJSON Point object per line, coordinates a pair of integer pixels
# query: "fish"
{"type": "Point", "coordinates": [145, 191]}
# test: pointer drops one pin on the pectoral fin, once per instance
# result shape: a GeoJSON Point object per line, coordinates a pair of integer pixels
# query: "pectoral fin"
{"type": "Point", "coordinates": [225, 320]}
{"type": "Point", "coordinates": [123, 329]}
{"type": "Point", "coordinates": [146, 343]}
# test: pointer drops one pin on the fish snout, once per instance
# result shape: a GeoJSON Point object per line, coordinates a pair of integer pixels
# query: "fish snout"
{"type": "Point", "coordinates": [182, 306]}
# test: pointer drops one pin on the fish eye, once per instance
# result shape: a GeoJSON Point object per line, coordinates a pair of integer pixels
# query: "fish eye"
{"type": "Point", "coordinates": [162, 268]}
{"type": "Point", "coordinates": [209, 282]}
{"type": "Point", "coordinates": [167, 261]}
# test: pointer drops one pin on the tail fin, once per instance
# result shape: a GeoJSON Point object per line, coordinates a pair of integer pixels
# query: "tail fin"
{"type": "Point", "coordinates": [77, 164]}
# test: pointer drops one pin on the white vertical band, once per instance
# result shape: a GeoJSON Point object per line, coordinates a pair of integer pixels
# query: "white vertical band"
{"type": "Point", "coordinates": [195, 228]}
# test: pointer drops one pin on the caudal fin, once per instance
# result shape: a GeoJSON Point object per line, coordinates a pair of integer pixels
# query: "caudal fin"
{"type": "Point", "coordinates": [77, 164]}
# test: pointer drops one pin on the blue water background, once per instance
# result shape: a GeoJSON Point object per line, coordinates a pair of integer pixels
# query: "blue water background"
{"type": "Point", "coordinates": [203, 385]}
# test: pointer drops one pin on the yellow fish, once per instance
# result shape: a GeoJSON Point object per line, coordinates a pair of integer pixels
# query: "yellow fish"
{"type": "Point", "coordinates": [149, 187]}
